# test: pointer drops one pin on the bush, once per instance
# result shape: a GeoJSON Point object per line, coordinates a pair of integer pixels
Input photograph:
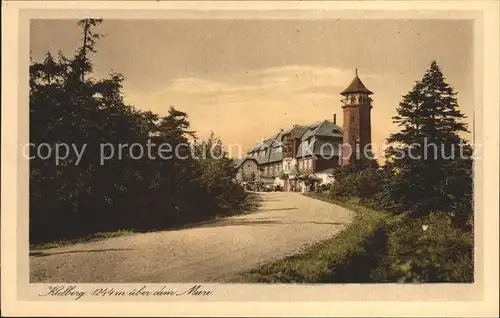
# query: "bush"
{"type": "Point", "coordinates": [386, 197]}
{"type": "Point", "coordinates": [77, 198]}
{"type": "Point", "coordinates": [363, 184]}
{"type": "Point", "coordinates": [430, 249]}
{"type": "Point", "coordinates": [324, 188]}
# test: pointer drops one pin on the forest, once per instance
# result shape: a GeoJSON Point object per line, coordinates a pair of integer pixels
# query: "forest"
{"type": "Point", "coordinates": [77, 195]}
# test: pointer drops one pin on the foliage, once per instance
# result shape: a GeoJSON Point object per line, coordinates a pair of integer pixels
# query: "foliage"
{"type": "Point", "coordinates": [378, 247]}
{"type": "Point", "coordinates": [310, 181]}
{"type": "Point", "coordinates": [414, 182]}
{"type": "Point", "coordinates": [75, 198]}
{"type": "Point", "coordinates": [354, 182]}
{"type": "Point", "coordinates": [428, 166]}
{"type": "Point", "coordinates": [430, 249]}
{"type": "Point", "coordinates": [217, 174]}
{"type": "Point", "coordinates": [426, 153]}
{"type": "Point", "coordinates": [283, 176]}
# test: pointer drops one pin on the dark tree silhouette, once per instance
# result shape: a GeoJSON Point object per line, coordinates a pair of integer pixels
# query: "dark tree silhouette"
{"type": "Point", "coordinates": [427, 159]}
{"type": "Point", "coordinates": [87, 194]}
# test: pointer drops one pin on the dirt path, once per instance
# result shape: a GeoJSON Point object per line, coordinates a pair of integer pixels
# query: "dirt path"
{"type": "Point", "coordinates": [285, 223]}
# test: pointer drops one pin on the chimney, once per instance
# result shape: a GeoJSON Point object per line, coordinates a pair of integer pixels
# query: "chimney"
{"type": "Point", "coordinates": [335, 119]}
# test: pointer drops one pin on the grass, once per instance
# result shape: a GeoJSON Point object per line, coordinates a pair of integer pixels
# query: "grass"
{"type": "Point", "coordinates": [86, 239]}
{"type": "Point", "coordinates": [347, 257]}
{"type": "Point", "coordinates": [250, 204]}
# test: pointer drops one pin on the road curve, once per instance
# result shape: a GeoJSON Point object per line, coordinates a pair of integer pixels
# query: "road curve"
{"type": "Point", "coordinates": [214, 252]}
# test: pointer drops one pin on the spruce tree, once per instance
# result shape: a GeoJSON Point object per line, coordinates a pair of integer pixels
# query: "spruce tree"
{"type": "Point", "coordinates": [424, 154]}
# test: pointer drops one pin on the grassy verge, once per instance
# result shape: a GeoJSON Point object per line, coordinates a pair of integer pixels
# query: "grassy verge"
{"type": "Point", "coordinates": [250, 204]}
{"type": "Point", "coordinates": [379, 248]}
{"type": "Point", "coordinates": [86, 239]}
{"type": "Point", "coordinates": [346, 257]}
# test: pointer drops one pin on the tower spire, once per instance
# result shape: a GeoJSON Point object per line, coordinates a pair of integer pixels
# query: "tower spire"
{"type": "Point", "coordinates": [356, 107]}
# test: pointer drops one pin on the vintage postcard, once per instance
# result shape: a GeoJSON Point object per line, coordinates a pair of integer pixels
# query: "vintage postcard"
{"type": "Point", "coordinates": [250, 158]}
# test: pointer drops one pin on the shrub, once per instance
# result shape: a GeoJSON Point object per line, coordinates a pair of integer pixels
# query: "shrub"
{"type": "Point", "coordinates": [430, 249]}
{"type": "Point", "coordinates": [73, 198]}
{"type": "Point", "coordinates": [386, 197]}
{"type": "Point", "coordinates": [324, 188]}
{"type": "Point", "coordinates": [363, 184]}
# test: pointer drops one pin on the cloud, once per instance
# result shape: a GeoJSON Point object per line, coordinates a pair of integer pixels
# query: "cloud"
{"type": "Point", "coordinates": [276, 80]}
{"type": "Point", "coordinates": [245, 106]}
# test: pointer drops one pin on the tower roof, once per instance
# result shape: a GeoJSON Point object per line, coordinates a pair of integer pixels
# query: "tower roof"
{"type": "Point", "coordinates": [356, 86]}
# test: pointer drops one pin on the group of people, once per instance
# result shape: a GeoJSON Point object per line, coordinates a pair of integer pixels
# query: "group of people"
{"type": "Point", "coordinates": [261, 187]}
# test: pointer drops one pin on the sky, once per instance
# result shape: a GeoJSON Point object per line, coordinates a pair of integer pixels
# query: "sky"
{"type": "Point", "coordinates": [245, 80]}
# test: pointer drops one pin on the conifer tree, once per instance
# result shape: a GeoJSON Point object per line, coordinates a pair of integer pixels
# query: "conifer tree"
{"type": "Point", "coordinates": [68, 105]}
{"type": "Point", "coordinates": [424, 154]}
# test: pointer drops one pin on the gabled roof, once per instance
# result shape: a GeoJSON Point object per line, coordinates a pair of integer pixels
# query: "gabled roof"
{"type": "Point", "coordinates": [356, 86]}
{"type": "Point", "coordinates": [328, 129]}
{"type": "Point", "coordinates": [296, 131]}
{"type": "Point", "coordinates": [265, 152]}
{"type": "Point", "coordinates": [312, 137]}
{"type": "Point", "coordinates": [323, 139]}
{"type": "Point", "coordinates": [276, 155]}
{"type": "Point", "coordinates": [239, 161]}
{"type": "Point", "coordinates": [325, 128]}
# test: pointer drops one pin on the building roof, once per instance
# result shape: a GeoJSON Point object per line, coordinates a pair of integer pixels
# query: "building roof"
{"type": "Point", "coordinates": [268, 151]}
{"type": "Point", "coordinates": [324, 128]}
{"type": "Point", "coordinates": [296, 131]}
{"type": "Point", "coordinates": [326, 148]}
{"type": "Point", "coordinates": [323, 138]}
{"type": "Point", "coordinates": [313, 139]}
{"type": "Point", "coordinates": [276, 149]}
{"type": "Point", "coordinates": [356, 86]}
{"type": "Point", "coordinates": [239, 161]}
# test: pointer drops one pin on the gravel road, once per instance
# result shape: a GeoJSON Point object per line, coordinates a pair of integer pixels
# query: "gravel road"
{"type": "Point", "coordinates": [214, 252]}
